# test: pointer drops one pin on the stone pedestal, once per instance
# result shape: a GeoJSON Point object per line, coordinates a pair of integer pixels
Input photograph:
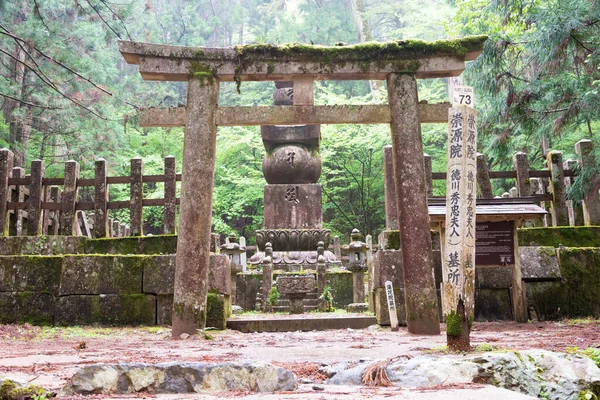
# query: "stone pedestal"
{"type": "Point", "coordinates": [293, 206]}
{"type": "Point", "coordinates": [296, 287]}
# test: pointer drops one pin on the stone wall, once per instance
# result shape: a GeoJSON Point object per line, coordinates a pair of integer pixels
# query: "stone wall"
{"type": "Point", "coordinates": [105, 289]}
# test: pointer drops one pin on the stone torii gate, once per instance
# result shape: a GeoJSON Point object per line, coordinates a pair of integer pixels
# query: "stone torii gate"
{"type": "Point", "coordinates": [399, 63]}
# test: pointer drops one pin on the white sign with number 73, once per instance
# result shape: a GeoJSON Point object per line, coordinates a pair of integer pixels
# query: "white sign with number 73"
{"type": "Point", "coordinates": [464, 96]}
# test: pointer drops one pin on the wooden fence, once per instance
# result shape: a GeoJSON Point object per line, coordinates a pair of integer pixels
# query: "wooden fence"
{"type": "Point", "coordinates": [546, 187]}
{"type": "Point", "coordinates": [36, 205]}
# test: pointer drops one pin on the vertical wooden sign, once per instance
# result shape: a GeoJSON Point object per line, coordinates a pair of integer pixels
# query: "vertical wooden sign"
{"type": "Point", "coordinates": [389, 291]}
{"type": "Point", "coordinates": [459, 241]}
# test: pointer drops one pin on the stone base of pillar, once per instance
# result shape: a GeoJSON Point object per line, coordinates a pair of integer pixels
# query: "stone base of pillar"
{"type": "Point", "coordinates": [297, 304]}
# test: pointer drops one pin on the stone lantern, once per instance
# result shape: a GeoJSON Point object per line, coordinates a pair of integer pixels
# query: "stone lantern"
{"type": "Point", "coordinates": [357, 263]}
{"type": "Point", "coordinates": [233, 250]}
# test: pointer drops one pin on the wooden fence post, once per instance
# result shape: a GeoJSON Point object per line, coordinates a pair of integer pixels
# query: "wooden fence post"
{"type": "Point", "coordinates": [55, 197]}
{"type": "Point", "coordinates": [522, 168]}
{"type": "Point", "coordinates": [591, 202]}
{"type": "Point", "coordinates": [170, 194]}
{"type": "Point", "coordinates": [17, 196]}
{"type": "Point", "coordinates": [68, 218]}
{"type": "Point", "coordinates": [574, 208]}
{"type": "Point", "coordinates": [36, 194]}
{"type": "Point", "coordinates": [136, 217]}
{"type": "Point", "coordinates": [6, 165]}
{"type": "Point", "coordinates": [483, 178]}
{"type": "Point", "coordinates": [101, 228]}
{"type": "Point", "coordinates": [560, 214]}
{"type": "Point", "coordinates": [428, 174]}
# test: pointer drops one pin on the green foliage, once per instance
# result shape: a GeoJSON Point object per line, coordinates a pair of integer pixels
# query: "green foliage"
{"type": "Point", "coordinates": [537, 80]}
{"type": "Point", "coordinates": [327, 298]}
{"type": "Point", "coordinates": [273, 296]}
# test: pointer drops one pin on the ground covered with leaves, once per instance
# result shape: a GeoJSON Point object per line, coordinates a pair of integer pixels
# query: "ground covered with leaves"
{"type": "Point", "coordinates": [49, 356]}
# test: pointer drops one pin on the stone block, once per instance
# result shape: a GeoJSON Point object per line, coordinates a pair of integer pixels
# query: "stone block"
{"type": "Point", "coordinates": [296, 284]}
{"type": "Point", "coordinates": [36, 308]}
{"type": "Point", "coordinates": [568, 236]}
{"type": "Point", "coordinates": [387, 266]}
{"type": "Point", "coordinates": [539, 263]}
{"type": "Point", "coordinates": [218, 309]}
{"type": "Point", "coordinates": [102, 274]}
{"type": "Point", "coordinates": [248, 285]}
{"type": "Point", "coordinates": [342, 287]}
{"type": "Point", "coordinates": [493, 277]}
{"type": "Point", "coordinates": [381, 306]}
{"type": "Point", "coordinates": [128, 309]}
{"type": "Point", "coordinates": [30, 273]}
{"type": "Point", "coordinates": [159, 275]}
{"type": "Point", "coordinates": [41, 245]}
{"type": "Point", "coordinates": [357, 307]}
{"type": "Point", "coordinates": [493, 305]}
{"type": "Point", "coordinates": [297, 206]}
{"type": "Point", "coordinates": [78, 310]}
{"type": "Point", "coordinates": [219, 274]}
{"type": "Point", "coordinates": [164, 309]}
{"type": "Point", "coordinates": [389, 240]}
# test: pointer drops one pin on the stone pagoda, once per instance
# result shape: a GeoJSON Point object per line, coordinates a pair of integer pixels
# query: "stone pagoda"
{"type": "Point", "coordinates": [293, 217]}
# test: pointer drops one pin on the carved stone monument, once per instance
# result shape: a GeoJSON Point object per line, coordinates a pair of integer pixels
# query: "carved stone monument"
{"type": "Point", "coordinates": [293, 218]}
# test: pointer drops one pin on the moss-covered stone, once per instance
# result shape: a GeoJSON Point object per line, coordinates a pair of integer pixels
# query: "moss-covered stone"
{"type": "Point", "coordinates": [568, 236]}
{"type": "Point", "coordinates": [36, 308]}
{"type": "Point", "coordinates": [100, 274]}
{"type": "Point", "coordinates": [577, 294]}
{"type": "Point", "coordinates": [159, 275]}
{"type": "Point", "coordinates": [78, 310]}
{"type": "Point", "coordinates": [381, 306]}
{"type": "Point", "coordinates": [342, 287]}
{"type": "Point", "coordinates": [164, 309]}
{"type": "Point", "coordinates": [128, 309]}
{"type": "Point", "coordinates": [493, 304]}
{"type": "Point", "coordinates": [30, 273]}
{"type": "Point", "coordinates": [217, 310]}
{"type": "Point", "coordinates": [10, 390]}
{"type": "Point", "coordinates": [248, 285]}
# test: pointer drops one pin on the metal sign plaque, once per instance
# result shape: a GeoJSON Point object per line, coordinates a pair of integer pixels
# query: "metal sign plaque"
{"type": "Point", "coordinates": [494, 243]}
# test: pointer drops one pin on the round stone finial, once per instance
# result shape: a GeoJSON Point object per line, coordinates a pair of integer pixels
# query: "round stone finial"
{"type": "Point", "coordinates": [320, 248]}
{"type": "Point", "coordinates": [232, 237]}
{"type": "Point", "coordinates": [355, 236]}
{"type": "Point", "coordinates": [268, 249]}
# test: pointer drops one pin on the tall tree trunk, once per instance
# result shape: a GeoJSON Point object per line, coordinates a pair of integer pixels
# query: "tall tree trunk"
{"type": "Point", "coordinates": [364, 30]}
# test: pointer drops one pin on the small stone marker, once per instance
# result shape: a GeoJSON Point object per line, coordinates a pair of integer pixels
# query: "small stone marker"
{"type": "Point", "coordinates": [389, 290]}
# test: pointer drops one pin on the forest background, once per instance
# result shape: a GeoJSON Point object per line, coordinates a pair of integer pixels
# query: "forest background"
{"type": "Point", "coordinates": [66, 92]}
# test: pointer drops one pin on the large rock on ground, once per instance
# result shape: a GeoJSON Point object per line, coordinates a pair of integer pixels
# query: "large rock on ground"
{"type": "Point", "coordinates": [180, 378]}
{"type": "Point", "coordinates": [538, 373]}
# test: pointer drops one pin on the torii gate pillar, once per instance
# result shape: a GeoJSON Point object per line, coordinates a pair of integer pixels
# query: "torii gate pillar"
{"type": "Point", "coordinates": [420, 296]}
{"type": "Point", "coordinates": [195, 218]}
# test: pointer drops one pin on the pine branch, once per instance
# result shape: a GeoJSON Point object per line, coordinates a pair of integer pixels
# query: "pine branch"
{"type": "Point", "coordinates": [28, 103]}
{"type": "Point", "coordinates": [52, 85]}
{"type": "Point", "coordinates": [118, 17]}
{"type": "Point", "coordinates": [581, 44]}
{"type": "Point", "coordinates": [38, 13]}
{"type": "Point", "coordinates": [6, 32]}
{"type": "Point", "coordinates": [102, 18]}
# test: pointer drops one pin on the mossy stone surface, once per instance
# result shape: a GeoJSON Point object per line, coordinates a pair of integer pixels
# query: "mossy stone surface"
{"type": "Point", "coordinates": [568, 236]}
{"type": "Point", "coordinates": [381, 306]}
{"type": "Point", "coordinates": [78, 310]}
{"type": "Point", "coordinates": [493, 304]}
{"type": "Point", "coordinates": [30, 273]}
{"type": "Point", "coordinates": [217, 310]}
{"type": "Point", "coordinates": [159, 275]}
{"type": "Point", "coordinates": [36, 308]}
{"type": "Point", "coordinates": [247, 286]}
{"type": "Point", "coordinates": [164, 309]}
{"type": "Point", "coordinates": [342, 287]}
{"type": "Point", "coordinates": [577, 294]}
{"type": "Point", "coordinates": [11, 390]}
{"type": "Point", "coordinates": [99, 274]}
{"type": "Point", "coordinates": [128, 309]}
